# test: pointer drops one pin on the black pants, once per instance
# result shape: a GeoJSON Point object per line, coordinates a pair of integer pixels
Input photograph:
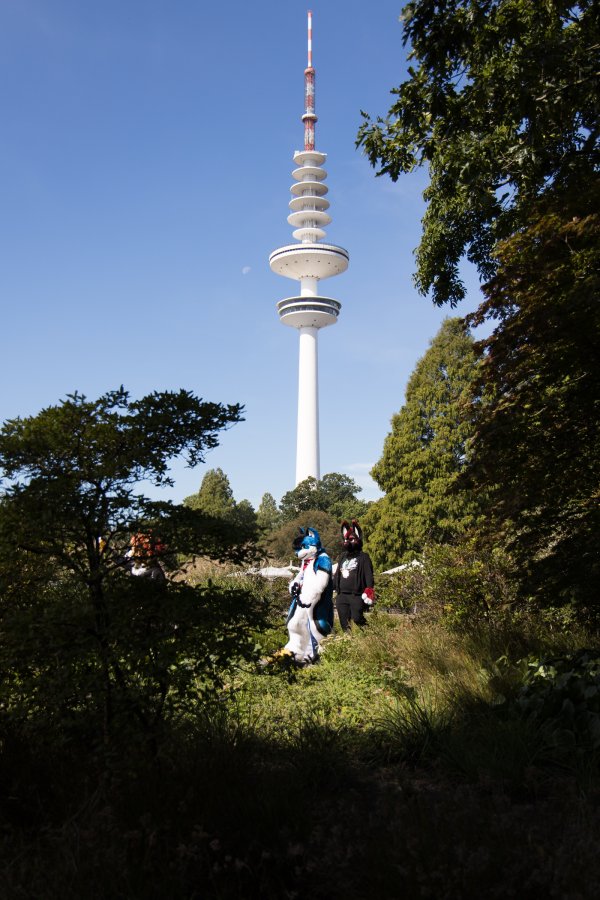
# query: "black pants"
{"type": "Point", "coordinates": [350, 606]}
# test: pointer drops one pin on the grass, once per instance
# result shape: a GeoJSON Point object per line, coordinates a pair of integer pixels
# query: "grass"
{"type": "Point", "coordinates": [395, 768]}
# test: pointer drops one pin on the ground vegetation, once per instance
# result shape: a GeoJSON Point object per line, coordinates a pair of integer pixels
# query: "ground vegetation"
{"type": "Point", "coordinates": [449, 760]}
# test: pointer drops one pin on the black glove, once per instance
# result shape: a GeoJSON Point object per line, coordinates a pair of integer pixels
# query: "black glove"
{"type": "Point", "coordinates": [295, 589]}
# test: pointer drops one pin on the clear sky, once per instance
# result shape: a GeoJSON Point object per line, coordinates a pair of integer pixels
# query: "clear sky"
{"type": "Point", "coordinates": [145, 164]}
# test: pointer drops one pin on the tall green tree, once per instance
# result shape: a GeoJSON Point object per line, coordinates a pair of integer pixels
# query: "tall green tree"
{"type": "Point", "coordinates": [268, 515]}
{"type": "Point", "coordinates": [79, 636]}
{"type": "Point", "coordinates": [245, 519]}
{"type": "Point", "coordinates": [536, 450]}
{"type": "Point", "coordinates": [215, 498]}
{"type": "Point", "coordinates": [501, 99]}
{"type": "Point", "coordinates": [425, 452]}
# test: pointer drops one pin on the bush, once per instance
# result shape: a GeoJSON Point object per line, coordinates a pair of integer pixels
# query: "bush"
{"type": "Point", "coordinates": [562, 694]}
{"type": "Point", "coordinates": [463, 584]}
{"type": "Point", "coordinates": [400, 590]}
{"type": "Point", "coordinates": [169, 648]}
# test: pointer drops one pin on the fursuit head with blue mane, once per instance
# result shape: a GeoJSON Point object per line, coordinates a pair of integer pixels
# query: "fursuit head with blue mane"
{"type": "Point", "coordinates": [310, 617]}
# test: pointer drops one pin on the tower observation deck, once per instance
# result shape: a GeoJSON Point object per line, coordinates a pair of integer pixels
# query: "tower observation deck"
{"type": "Point", "coordinates": [308, 262]}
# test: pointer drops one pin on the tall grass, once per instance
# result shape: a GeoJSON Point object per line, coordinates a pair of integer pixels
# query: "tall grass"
{"type": "Point", "coordinates": [396, 767]}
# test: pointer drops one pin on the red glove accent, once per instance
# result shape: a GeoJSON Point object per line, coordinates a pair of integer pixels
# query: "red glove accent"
{"type": "Point", "coordinates": [369, 596]}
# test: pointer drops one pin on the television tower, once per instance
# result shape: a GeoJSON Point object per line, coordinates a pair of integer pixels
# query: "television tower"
{"type": "Point", "coordinates": [308, 262]}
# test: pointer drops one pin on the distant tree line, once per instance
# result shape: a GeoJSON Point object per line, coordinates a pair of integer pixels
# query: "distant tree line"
{"type": "Point", "coordinates": [323, 504]}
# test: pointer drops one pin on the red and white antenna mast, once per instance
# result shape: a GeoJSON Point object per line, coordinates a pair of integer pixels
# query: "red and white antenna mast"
{"type": "Point", "coordinates": [309, 118]}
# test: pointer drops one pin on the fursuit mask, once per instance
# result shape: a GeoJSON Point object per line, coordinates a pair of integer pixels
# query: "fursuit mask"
{"type": "Point", "coordinates": [352, 536]}
{"type": "Point", "coordinates": [307, 544]}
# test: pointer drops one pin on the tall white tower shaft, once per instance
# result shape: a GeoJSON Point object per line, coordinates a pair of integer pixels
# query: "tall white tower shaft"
{"type": "Point", "coordinates": [308, 262]}
{"type": "Point", "coordinates": [307, 440]}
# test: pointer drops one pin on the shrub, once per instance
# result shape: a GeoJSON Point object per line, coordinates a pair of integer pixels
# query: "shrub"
{"type": "Point", "coordinates": [169, 649]}
{"type": "Point", "coordinates": [463, 584]}
{"type": "Point", "coordinates": [562, 693]}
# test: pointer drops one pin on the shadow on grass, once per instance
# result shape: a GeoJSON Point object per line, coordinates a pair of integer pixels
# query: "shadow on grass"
{"type": "Point", "coordinates": [352, 779]}
{"type": "Point", "coordinates": [406, 811]}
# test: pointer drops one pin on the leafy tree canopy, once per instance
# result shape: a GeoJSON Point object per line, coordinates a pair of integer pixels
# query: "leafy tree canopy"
{"type": "Point", "coordinates": [536, 448]}
{"type": "Point", "coordinates": [71, 473]}
{"type": "Point", "coordinates": [334, 494]}
{"type": "Point", "coordinates": [424, 453]}
{"type": "Point", "coordinates": [502, 99]}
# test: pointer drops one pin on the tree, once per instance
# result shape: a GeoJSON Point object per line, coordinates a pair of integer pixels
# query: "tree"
{"type": "Point", "coordinates": [502, 99]}
{"type": "Point", "coordinates": [245, 519]}
{"type": "Point", "coordinates": [536, 448]}
{"type": "Point", "coordinates": [215, 495]}
{"type": "Point", "coordinates": [334, 494]}
{"type": "Point", "coordinates": [268, 516]}
{"type": "Point", "coordinates": [113, 643]}
{"type": "Point", "coordinates": [71, 472]}
{"type": "Point", "coordinates": [215, 498]}
{"type": "Point", "coordinates": [339, 496]}
{"type": "Point", "coordinates": [425, 452]}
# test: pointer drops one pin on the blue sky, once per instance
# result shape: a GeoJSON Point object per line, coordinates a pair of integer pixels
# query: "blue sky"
{"type": "Point", "coordinates": [145, 165]}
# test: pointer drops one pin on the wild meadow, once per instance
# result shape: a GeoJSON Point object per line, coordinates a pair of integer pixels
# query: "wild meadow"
{"type": "Point", "coordinates": [420, 758]}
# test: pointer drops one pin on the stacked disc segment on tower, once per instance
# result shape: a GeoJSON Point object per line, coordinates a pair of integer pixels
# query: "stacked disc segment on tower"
{"type": "Point", "coordinates": [309, 261]}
